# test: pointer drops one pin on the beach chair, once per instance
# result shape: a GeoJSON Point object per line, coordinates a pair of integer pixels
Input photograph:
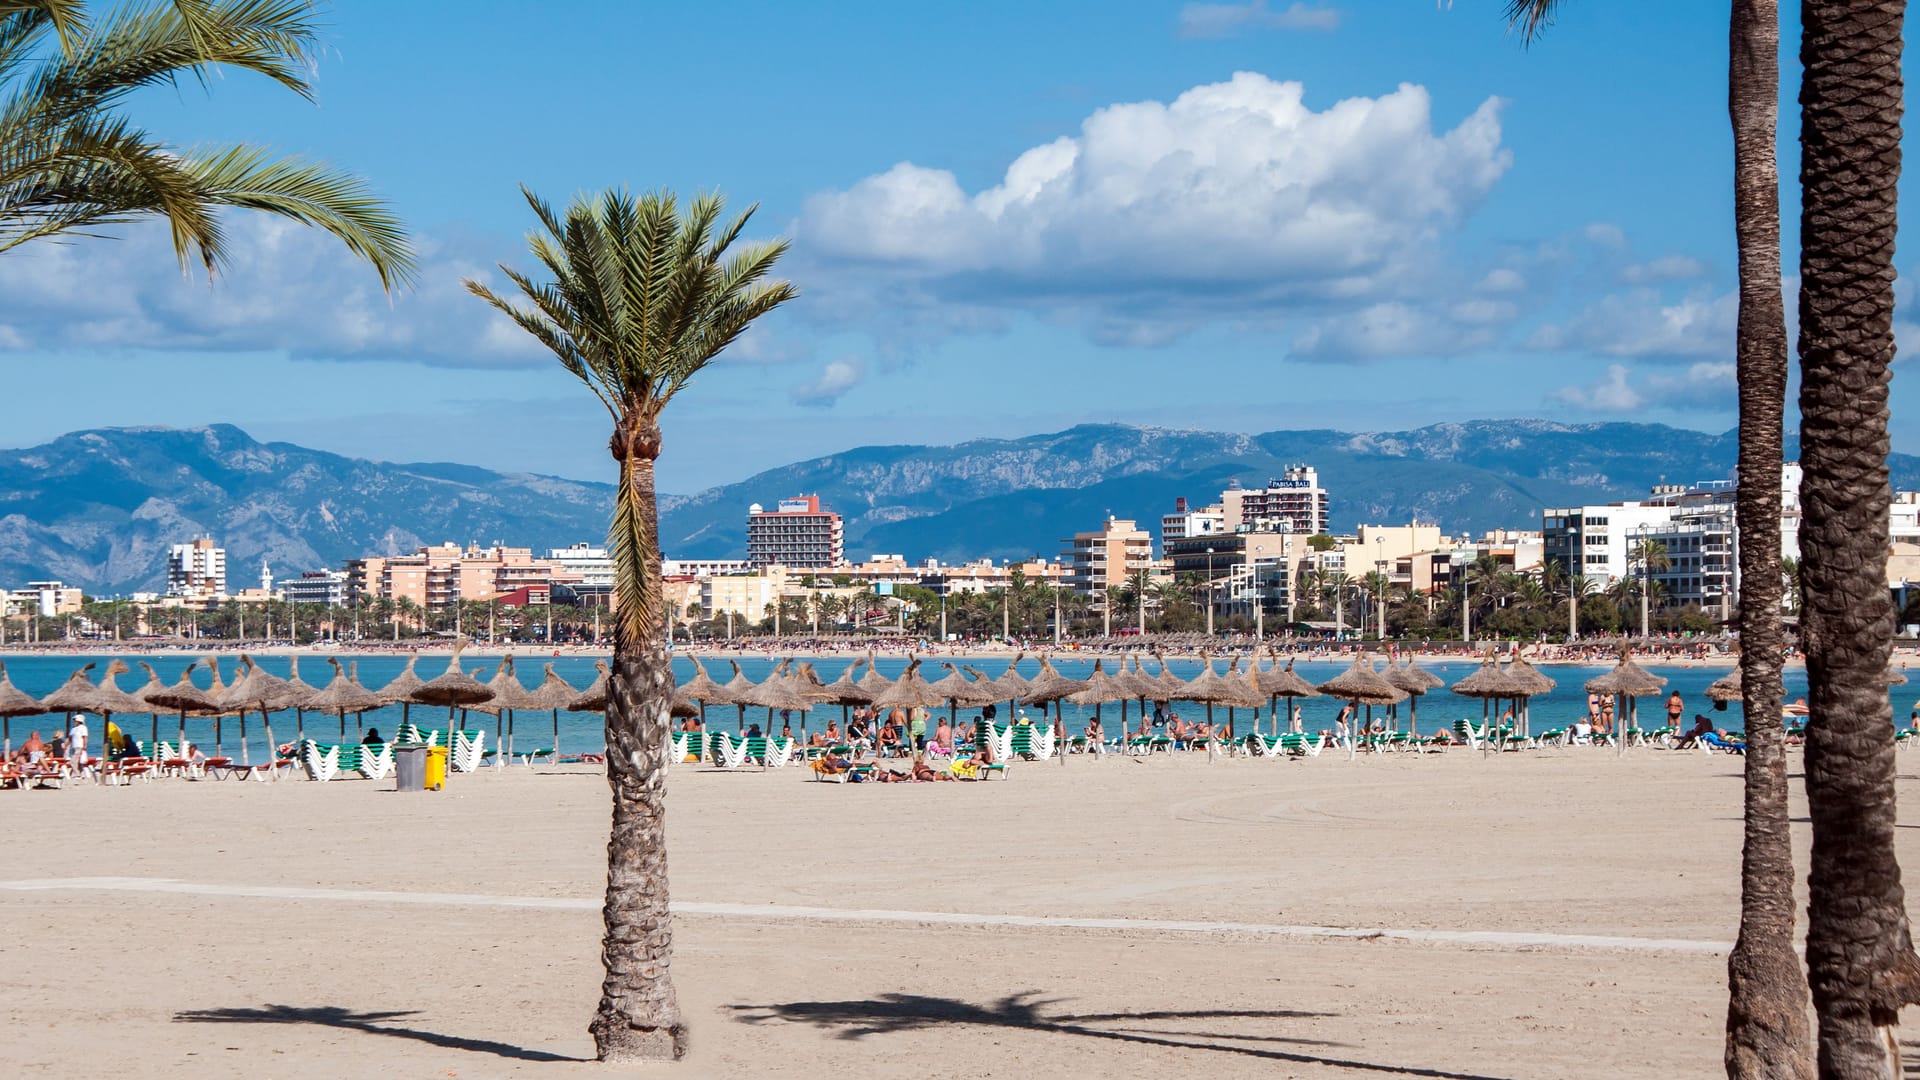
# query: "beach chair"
{"type": "Point", "coordinates": [1263, 746]}
{"type": "Point", "coordinates": [465, 749]}
{"type": "Point", "coordinates": [376, 761]}
{"type": "Point", "coordinates": [322, 762]}
{"type": "Point", "coordinates": [778, 753]}
{"type": "Point", "coordinates": [1042, 743]}
{"type": "Point", "coordinates": [1713, 741]}
{"type": "Point", "coordinates": [1300, 744]}
{"type": "Point", "coordinates": [679, 747]}
{"type": "Point", "coordinates": [999, 740]}
{"type": "Point", "coordinates": [725, 751]}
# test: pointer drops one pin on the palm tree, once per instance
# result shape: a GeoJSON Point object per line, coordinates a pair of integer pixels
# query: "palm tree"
{"type": "Point", "coordinates": [1577, 587]}
{"type": "Point", "coordinates": [1860, 959]}
{"type": "Point", "coordinates": [643, 296]}
{"type": "Point", "coordinates": [73, 162]}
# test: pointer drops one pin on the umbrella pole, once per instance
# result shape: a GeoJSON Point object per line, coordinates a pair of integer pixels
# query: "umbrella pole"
{"type": "Point", "coordinates": [218, 746]}
{"type": "Point", "coordinates": [245, 753]}
{"type": "Point", "coordinates": [509, 733]}
{"type": "Point", "coordinates": [1060, 729]}
{"type": "Point", "coordinates": [499, 753]}
{"type": "Point", "coordinates": [182, 748]}
{"type": "Point", "coordinates": [556, 736]}
{"type": "Point", "coordinates": [266, 722]}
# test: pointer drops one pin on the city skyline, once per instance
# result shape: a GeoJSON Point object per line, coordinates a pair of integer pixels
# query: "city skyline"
{"type": "Point", "coordinates": [1514, 245]}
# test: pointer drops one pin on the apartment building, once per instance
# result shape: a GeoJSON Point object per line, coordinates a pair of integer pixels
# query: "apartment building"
{"type": "Point", "coordinates": [1108, 558]}
{"type": "Point", "coordinates": [197, 570]}
{"type": "Point", "coordinates": [798, 533]}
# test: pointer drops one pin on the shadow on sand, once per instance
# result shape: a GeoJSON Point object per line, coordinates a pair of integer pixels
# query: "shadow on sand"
{"type": "Point", "coordinates": [888, 1014]}
{"type": "Point", "coordinates": [371, 1023]}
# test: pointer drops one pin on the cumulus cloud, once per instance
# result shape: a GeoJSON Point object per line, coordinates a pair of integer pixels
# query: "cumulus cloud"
{"type": "Point", "coordinates": [1613, 394]}
{"type": "Point", "coordinates": [1226, 20]}
{"type": "Point", "coordinates": [1643, 323]}
{"type": "Point", "coordinates": [1397, 329]}
{"type": "Point", "coordinates": [287, 288]}
{"type": "Point", "coordinates": [834, 380]}
{"type": "Point", "coordinates": [1234, 196]}
{"type": "Point", "coordinates": [1665, 268]}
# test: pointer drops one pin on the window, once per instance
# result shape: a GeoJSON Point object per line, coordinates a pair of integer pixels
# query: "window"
{"type": "Point", "coordinates": [1599, 522]}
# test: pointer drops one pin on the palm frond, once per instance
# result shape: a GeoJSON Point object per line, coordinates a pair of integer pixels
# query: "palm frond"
{"type": "Point", "coordinates": [1531, 17]}
{"type": "Point", "coordinates": [250, 178]}
{"type": "Point", "coordinates": [643, 295]}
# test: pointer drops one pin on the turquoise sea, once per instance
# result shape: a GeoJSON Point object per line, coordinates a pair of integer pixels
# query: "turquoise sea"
{"type": "Point", "coordinates": [583, 732]}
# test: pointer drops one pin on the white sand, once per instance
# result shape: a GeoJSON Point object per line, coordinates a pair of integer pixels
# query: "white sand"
{"type": "Point", "coordinates": [257, 966]}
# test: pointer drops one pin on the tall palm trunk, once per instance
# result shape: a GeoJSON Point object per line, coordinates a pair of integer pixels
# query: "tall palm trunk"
{"type": "Point", "coordinates": [639, 1014]}
{"type": "Point", "coordinates": [1767, 1036]}
{"type": "Point", "coordinates": [1859, 949]}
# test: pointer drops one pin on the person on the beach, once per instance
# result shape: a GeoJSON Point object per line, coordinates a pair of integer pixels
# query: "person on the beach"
{"type": "Point", "coordinates": [77, 739]}
{"type": "Point", "coordinates": [786, 731]}
{"type": "Point", "coordinates": [943, 734]}
{"type": "Point", "coordinates": [33, 749]}
{"type": "Point", "coordinates": [753, 731]}
{"type": "Point", "coordinates": [1675, 710]}
{"type": "Point", "coordinates": [371, 738]}
{"type": "Point", "coordinates": [1701, 725]}
{"type": "Point", "coordinates": [917, 727]}
{"type": "Point", "coordinates": [1096, 736]}
{"type": "Point", "coordinates": [1605, 727]}
{"type": "Point", "coordinates": [1299, 718]}
{"type": "Point", "coordinates": [924, 772]}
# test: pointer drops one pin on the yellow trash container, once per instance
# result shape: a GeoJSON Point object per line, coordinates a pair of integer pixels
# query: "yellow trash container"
{"type": "Point", "coordinates": [436, 768]}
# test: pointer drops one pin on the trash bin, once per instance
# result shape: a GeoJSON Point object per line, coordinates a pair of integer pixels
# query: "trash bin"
{"type": "Point", "coordinates": [436, 777]}
{"type": "Point", "coordinates": [410, 767]}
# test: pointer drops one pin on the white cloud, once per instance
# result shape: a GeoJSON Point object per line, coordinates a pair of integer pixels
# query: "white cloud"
{"type": "Point", "coordinates": [1391, 329]}
{"type": "Point", "coordinates": [287, 288]}
{"type": "Point", "coordinates": [1502, 280]}
{"type": "Point", "coordinates": [1642, 323]}
{"type": "Point", "coordinates": [834, 380]}
{"type": "Point", "coordinates": [1613, 394]}
{"type": "Point", "coordinates": [1234, 197]}
{"type": "Point", "coordinates": [1665, 268]}
{"type": "Point", "coordinates": [1226, 20]}
{"type": "Point", "coordinates": [1605, 235]}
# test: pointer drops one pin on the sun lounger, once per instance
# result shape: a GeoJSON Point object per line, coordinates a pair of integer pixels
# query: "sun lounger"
{"type": "Point", "coordinates": [726, 751]}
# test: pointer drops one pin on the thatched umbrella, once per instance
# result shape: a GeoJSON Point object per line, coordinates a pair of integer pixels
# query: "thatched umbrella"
{"type": "Point", "coordinates": [14, 702]}
{"type": "Point", "coordinates": [1239, 690]}
{"type": "Point", "coordinates": [105, 700]}
{"type": "Point", "coordinates": [1489, 684]}
{"type": "Point", "coordinates": [508, 695]}
{"type": "Point", "coordinates": [702, 689]}
{"type": "Point", "coordinates": [780, 691]}
{"type": "Point", "coordinates": [1207, 688]}
{"type": "Point", "coordinates": [153, 685]}
{"type": "Point", "coordinates": [400, 690]}
{"type": "Point", "coordinates": [874, 684]}
{"type": "Point", "coordinates": [909, 690]}
{"type": "Point", "coordinates": [217, 693]}
{"type": "Point", "coordinates": [453, 688]}
{"type": "Point", "coordinates": [1627, 680]}
{"type": "Point", "coordinates": [1135, 685]}
{"type": "Point", "coordinates": [1280, 682]}
{"type": "Point", "coordinates": [184, 697]}
{"type": "Point", "coordinates": [341, 696]}
{"type": "Point", "coordinates": [1171, 686]}
{"type": "Point", "coordinates": [1051, 686]}
{"type": "Point", "coordinates": [262, 690]}
{"type": "Point", "coordinates": [1726, 688]}
{"type": "Point", "coordinates": [296, 694]}
{"type": "Point", "coordinates": [739, 690]}
{"type": "Point", "coordinates": [1530, 683]}
{"type": "Point", "coordinates": [553, 693]}
{"type": "Point", "coordinates": [594, 697]}
{"type": "Point", "coordinates": [1099, 689]}
{"type": "Point", "coordinates": [958, 690]}
{"type": "Point", "coordinates": [1361, 685]}
{"type": "Point", "coordinates": [1416, 681]}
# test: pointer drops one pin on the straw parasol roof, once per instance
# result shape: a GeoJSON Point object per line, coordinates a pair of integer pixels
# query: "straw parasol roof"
{"type": "Point", "coordinates": [594, 698]}
{"type": "Point", "coordinates": [807, 680]}
{"type": "Point", "coordinates": [1011, 684]}
{"type": "Point", "coordinates": [453, 688]}
{"type": "Point", "coordinates": [1241, 689]}
{"type": "Point", "coordinates": [1050, 686]}
{"type": "Point", "coordinates": [1362, 686]}
{"type": "Point", "coordinates": [1626, 678]}
{"type": "Point", "coordinates": [1488, 681]}
{"type": "Point", "coordinates": [873, 682]}
{"type": "Point", "coordinates": [703, 689]}
{"type": "Point", "coordinates": [182, 695]}
{"type": "Point", "coordinates": [16, 702]}
{"type": "Point", "coordinates": [739, 689]}
{"type": "Point", "coordinates": [960, 691]}
{"type": "Point", "coordinates": [779, 691]}
{"type": "Point", "coordinates": [297, 690]}
{"type": "Point", "coordinates": [553, 692]}
{"type": "Point", "coordinates": [1283, 682]}
{"type": "Point", "coordinates": [1726, 687]}
{"type": "Point", "coordinates": [909, 689]}
{"type": "Point", "coordinates": [1411, 677]}
{"type": "Point", "coordinates": [1135, 683]}
{"type": "Point", "coordinates": [106, 699]}
{"type": "Point", "coordinates": [1171, 686]}
{"type": "Point", "coordinates": [1100, 687]}
{"type": "Point", "coordinates": [846, 689]}
{"type": "Point", "coordinates": [1529, 678]}
{"type": "Point", "coordinates": [403, 685]}
{"type": "Point", "coordinates": [1208, 687]}
{"type": "Point", "coordinates": [259, 690]}
{"type": "Point", "coordinates": [153, 683]}
{"type": "Point", "coordinates": [343, 695]}
{"type": "Point", "coordinates": [507, 691]}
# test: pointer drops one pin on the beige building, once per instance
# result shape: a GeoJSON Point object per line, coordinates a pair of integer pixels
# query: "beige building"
{"type": "Point", "coordinates": [435, 577]}
{"type": "Point", "coordinates": [1095, 561]}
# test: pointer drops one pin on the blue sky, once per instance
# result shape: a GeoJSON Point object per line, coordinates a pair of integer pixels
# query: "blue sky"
{"type": "Point", "coordinates": [1007, 218]}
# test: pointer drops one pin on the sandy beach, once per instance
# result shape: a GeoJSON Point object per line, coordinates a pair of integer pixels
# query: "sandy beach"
{"type": "Point", "coordinates": [1551, 914]}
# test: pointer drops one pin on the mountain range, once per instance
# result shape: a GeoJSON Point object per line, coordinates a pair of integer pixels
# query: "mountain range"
{"type": "Point", "coordinates": [99, 508]}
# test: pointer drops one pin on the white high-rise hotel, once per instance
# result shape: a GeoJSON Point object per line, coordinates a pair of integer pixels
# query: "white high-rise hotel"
{"type": "Point", "coordinates": [1695, 524]}
{"type": "Point", "coordinates": [198, 569]}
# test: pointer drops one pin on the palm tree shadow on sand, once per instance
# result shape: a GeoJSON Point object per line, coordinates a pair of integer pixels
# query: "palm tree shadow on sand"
{"type": "Point", "coordinates": [371, 1023]}
{"type": "Point", "coordinates": [892, 1014]}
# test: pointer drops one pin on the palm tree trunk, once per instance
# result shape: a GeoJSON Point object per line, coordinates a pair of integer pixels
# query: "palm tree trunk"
{"type": "Point", "coordinates": [1860, 957]}
{"type": "Point", "coordinates": [1767, 1036]}
{"type": "Point", "coordinates": [639, 1015]}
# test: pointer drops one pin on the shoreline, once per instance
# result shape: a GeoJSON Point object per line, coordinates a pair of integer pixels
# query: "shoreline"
{"type": "Point", "coordinates": [813, 649]}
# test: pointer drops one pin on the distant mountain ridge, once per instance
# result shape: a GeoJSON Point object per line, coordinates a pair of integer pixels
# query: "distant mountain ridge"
{"type": "Point", "coordinates": [99, 508]}
{"type": "Point", "coordinates": [1009, 498]}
